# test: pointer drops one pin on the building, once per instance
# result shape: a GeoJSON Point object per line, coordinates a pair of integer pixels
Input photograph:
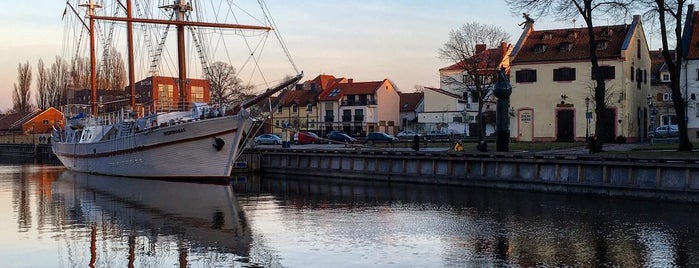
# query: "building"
{"type": "Point", "coordinates": [411, 104]}
{"type": "Point", "coordinates": [444, 111]}
{"type": "Point", "coordinates": [474, 80]}
{"type": "Point", "coordinates": [160, 94]}
{"type": "Point", "coordinates": [298, 108]}
{"type": "Point", "coordinates": [660, 92]}
{"type": "Point", "coordinates": [358, 108]}
{"type": "Point", "coordinates": [689, 79]}
{"type": "Point", "coordinates": [29, 127]}
{"type": "Point", "coordinates": [551, 75]}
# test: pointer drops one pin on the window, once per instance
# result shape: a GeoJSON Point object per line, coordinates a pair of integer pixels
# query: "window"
{"type": "Point", "coordinates": [309, 108]}
{"type": "Point", "coordinates": [666, 77]}
{"type": "Point", "coordinates": [632, 73]}
{"type": "Point", "coordinates": [693, 96]}
{"type": "Point", "coordinates": [667, 97]}
{"type": "Point", "coordinates": [608, 72]}
{"type": "Point", "coordinates": [602, 44]}
{"type": "Point", "coordinates": [525, 76]}
{"type": "Point", "coordinates": [334, 92]}
{"type": "Point", "coordinates": [639, 78]}
{"type": "Point", "coordinates": [638, 48]}
{"type": "Point", "coordinates": [45, 122]}
{"type": "Point", "coordinates": [294, 108]}
{"type": "Point", "coordinates": [564, 74]}
{"type": "Point", "coordinates": [565, 46]}
{"type": "Point", "coordinates": [697, 77]}
{"type": "Point", "coordinates": [645, 76]}
{"type": "Point", "coordinates": [539, 48]}
{"type": "Point", "coordinates": [279, 108]}
{"type": "Point", "coordinates": [165, 96]}
{"type": "Point", "coordinates": [197, 94]}
{"type": "Point", "coordinates": [547, 36]}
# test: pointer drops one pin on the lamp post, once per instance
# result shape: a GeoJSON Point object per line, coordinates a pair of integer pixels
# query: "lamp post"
{"type": "Point", "coordinates": [588, 115]}
{"type": "Point", "coordinates": [653, 112]}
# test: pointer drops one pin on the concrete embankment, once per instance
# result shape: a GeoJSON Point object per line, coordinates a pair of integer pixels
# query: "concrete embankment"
{"type": "Point", "coordinates": [671, 179]}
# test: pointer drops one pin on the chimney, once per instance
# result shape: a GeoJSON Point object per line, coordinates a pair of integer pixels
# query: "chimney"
{"type": "Point", "coordinates": [503, 48]}
{"type": "Point", "coordinates": [350, 80]}
{"type": "Point", "coordinates": [480, 48]}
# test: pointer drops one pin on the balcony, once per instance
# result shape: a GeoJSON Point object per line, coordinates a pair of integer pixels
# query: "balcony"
{"type": "Point", "coordinates": [346, 118]}
{"type": "Point", "coordinates": [358, 118]}
{"type": "Point", "coordinates": [329, 118]}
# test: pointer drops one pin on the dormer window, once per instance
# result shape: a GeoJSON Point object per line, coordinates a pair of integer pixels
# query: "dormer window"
{"type": "Point", "coordinates": [565, 46]}
{"type": "Point", "coordinates": [547, 36]}
{"type": "Point", "coordinates": [607, 32]}
{"type": "Point", "coordinates": [539, 48]}
{"type": "Point", "coordinates": [602, 44]}
{"type": "Point", "coordinates": [572, 34]}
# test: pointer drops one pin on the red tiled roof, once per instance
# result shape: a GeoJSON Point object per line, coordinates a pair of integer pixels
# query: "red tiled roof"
{"type": "Point", "coordinates": [299, 97]}
{"type": "Point", "coordinates": [693, 46]}
{"type": "Point", "coordinates": [577, 38]}
{"type": "Point", "coordinates": [350, 88]}
{"type": "Point", "coordinates": [15, 121]}
{"type": "Point", "coordinates": [409, 101]}
{"type": "Point", "coordinates": [487, 60]}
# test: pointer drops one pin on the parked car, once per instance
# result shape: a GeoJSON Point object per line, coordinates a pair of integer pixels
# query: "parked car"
{"type": "Point", "coordinates": [408, 134]}
{"type": "Point", "coordinates": [667, 131]}
{"type": "Point", "coordinates": [268, 139]}
{"type": "Point", "coordinates": [379, 137]}
{"type": "Point", "coordinates": [305, 137]}
{"type": "Point", "coordinates": [333, 132]}
{"type": "Point", "coordinates": [435, 135]}
{"type": "Point", "coordinates": [340, 137]}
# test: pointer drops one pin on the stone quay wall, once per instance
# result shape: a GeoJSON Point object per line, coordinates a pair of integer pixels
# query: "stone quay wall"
{"type": "Point", "coordinates": [670, 179]}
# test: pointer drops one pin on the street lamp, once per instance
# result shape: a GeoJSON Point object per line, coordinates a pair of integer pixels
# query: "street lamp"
{"type": "Point", "coordinates": [588, 115]}
{"type": "Point", "coordinates": [653, 112]}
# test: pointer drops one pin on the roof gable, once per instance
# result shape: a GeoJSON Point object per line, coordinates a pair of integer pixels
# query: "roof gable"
{"type": "Point", "coordinates": [410, 101]}
{"type": "Point", "coordinates": [572, 44]}
{"type": "Point", "coordinates": [349, 87]}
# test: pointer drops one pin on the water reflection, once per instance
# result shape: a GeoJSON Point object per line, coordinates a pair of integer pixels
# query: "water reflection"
{"type": "Point", "coordinates": [101, 221]}
{"type": "Point", "coordinates": [50, 217]}
{"type": "Point", "coordinates": [445, 226]}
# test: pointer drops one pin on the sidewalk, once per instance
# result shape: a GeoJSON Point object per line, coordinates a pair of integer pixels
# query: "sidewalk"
{"type": "Point", "coordinates": [613, 147]}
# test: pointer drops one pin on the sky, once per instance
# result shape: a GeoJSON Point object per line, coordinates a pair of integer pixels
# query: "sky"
{"type": "Point", "coordinates": [366, 40]}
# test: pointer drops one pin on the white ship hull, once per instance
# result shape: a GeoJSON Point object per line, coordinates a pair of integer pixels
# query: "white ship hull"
{"type": "Point", "coordinates": [183, 150]}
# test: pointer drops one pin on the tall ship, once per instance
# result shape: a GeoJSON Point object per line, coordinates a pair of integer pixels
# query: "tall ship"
{"type": "Point", "coordinates": [175, 133]}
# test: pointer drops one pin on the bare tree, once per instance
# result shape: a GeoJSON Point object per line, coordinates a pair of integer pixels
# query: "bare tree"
{"type": "Point", "coordinates": [42, 83]}
{"type": "Point", "coordinates": [226, 87]}
{"type": "Point", "coordinates": [80, 73]}
{"type": "Point", "coordinates": [668, 14]}
{"type": "Point", "coordinates": [112, 74]}
{"type": "Point", "coordinates": [59, 78]}
{"type": "Point", "coordinates": [21, 95]}
{"type": "Point", "coordinates": [466, 48]}
{"type": "Point", "coordinates": [587, 9]}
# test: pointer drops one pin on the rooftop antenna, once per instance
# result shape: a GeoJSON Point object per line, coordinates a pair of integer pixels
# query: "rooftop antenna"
{"type": "Point", "coordinates": [573, 23]}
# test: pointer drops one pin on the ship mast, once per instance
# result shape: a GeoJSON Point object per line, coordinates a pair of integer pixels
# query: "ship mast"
{"type": "Point", "coordinates": [129, 40]}
{"type": "Point", "coordinates": [91, 6]}
{"type": "Point", "coordinates": [181, 8]}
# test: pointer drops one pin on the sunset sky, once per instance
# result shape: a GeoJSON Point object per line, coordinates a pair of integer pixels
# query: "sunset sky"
{"type": "Point", "coordinates": [363, 39]}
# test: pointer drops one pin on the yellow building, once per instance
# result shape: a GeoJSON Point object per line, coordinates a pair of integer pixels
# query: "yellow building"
{"type": "Point", "coordinates": [551, 75]}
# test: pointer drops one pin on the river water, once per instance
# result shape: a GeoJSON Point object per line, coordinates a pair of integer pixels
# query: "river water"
{"type": "Point", "coordinates": [50, 217]}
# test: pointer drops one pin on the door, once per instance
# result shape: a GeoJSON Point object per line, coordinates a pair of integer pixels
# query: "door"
{"type": "Point", "coordinates": [525, 125]}
{"type": "Point", "coordinates": [565, 130]}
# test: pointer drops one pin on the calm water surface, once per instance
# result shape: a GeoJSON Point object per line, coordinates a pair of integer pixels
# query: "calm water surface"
{"type": "Point", "coordinates": [50, 217]}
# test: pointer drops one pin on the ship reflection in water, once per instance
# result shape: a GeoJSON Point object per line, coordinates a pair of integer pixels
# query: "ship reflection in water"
{"type": "Point", "coordinates": [56, 218]}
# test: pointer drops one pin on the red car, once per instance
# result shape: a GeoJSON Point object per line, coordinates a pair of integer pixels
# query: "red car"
{"type": "Point", "coordinates": [305, 137]}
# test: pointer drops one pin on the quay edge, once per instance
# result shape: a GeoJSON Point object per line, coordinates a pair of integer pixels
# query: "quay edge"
{"type": "Point", "coordinates": [663, 179]}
